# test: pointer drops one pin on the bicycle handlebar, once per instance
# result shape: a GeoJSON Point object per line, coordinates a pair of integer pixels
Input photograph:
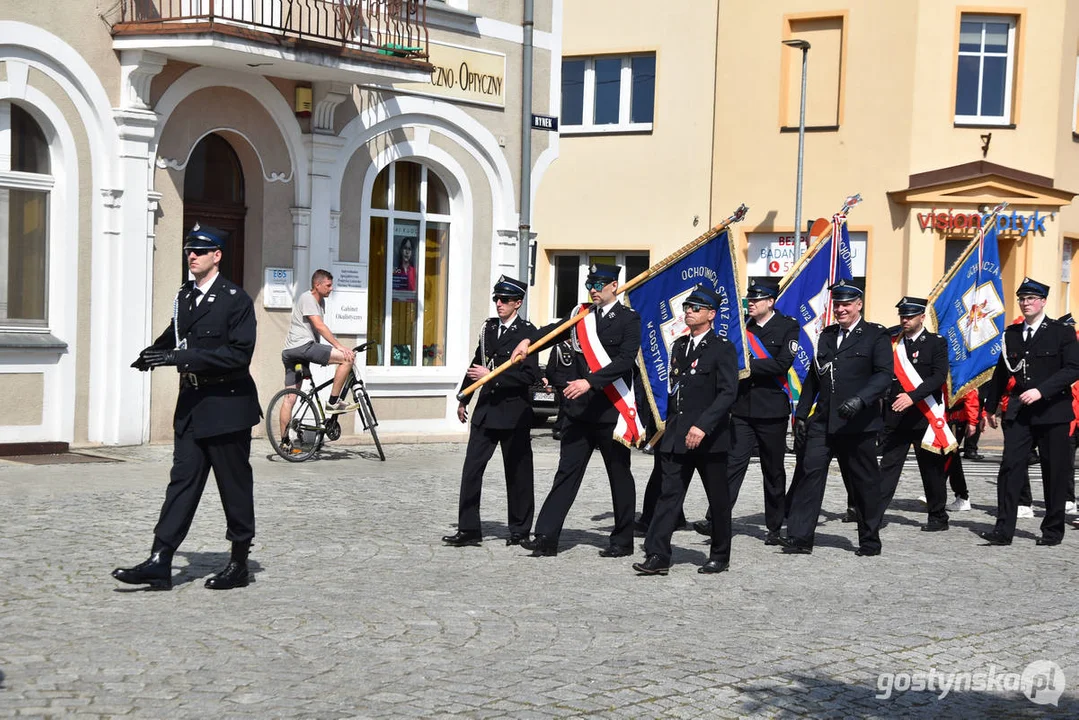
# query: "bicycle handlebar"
{"type": "Point", "coordinates": [360, 348]}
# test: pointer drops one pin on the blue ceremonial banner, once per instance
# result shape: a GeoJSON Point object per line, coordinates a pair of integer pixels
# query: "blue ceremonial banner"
{"type": "Point", "coordinates": [659, 302]}
{"type": "Point", "coordinates": [967, 308]}
{"type": "Point", "coordinates": [804, 295]}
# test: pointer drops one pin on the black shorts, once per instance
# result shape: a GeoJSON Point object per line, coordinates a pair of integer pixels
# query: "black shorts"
{"type": "Point", "coordinates": [312, 352]}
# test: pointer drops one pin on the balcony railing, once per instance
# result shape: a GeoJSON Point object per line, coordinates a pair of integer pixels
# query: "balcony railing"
{"type": "Point", "coordinates": [395, 28]}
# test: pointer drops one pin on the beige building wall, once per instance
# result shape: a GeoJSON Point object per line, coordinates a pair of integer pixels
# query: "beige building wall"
{"type": "Point", "coordinates": [633, 191]}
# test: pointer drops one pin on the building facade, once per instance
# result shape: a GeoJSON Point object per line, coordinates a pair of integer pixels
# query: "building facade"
{"type": "Point", "coordinates": [375, 138]}
{"type": "Point", "coordinates": [933, 111]}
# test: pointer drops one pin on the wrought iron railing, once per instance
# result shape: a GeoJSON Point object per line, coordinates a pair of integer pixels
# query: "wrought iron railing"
{"type": "Point", "coordinates": [390, 27]}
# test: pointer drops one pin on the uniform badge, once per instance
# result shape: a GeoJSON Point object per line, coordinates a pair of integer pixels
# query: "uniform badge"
{"type": "Point", "coordinates": [793, 345]}
{"type": "Point", "coordinates": [232, 291]}
{"type": "Point", "coordinates": [211, 298]}
{"type": "Point", "coordinates": [915, 355]}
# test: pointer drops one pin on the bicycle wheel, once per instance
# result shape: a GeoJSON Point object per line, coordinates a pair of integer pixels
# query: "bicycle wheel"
{"type": "Point", "coordinates": [304, 430]}
{"type": "Point", "coordinates": [367, 415]}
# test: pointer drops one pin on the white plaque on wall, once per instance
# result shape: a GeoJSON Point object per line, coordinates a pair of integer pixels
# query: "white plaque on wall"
{"type": "Point", "coordinates": [346, 307]}
{"type": "Point", "coordinates": [277, 289]}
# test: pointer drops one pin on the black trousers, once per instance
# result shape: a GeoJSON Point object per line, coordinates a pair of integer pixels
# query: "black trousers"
{"type": "Point", "coordinates": [953, 464]}
{"type": "Point", "coordinates": [857, 455]}
{"type": "Point", "coordinates": [677, 474]}
{"type": "Point", "coordinates": [652, 492]}
{"type": "Point", "coordinates": [516, 446]}
{"type": "Point", "coordinates": [579, 441]}
{"type": "Point", "coordinates": [192, 459]}
{"type": "Point", "coordinates": [1054, 448]}
{"type": "Point", "coordinates": [897, 442]}
{"type": "Point", "coordinates": [770, 437]}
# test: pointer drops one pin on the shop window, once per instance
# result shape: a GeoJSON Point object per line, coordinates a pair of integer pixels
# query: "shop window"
{"type": "Point", "coordinates": [570, 270]}
{"type": "Point", "coordinates": [25, 184]}
{"type": "Point", "coordinates": [608, 93]}
{"type": "Point", "coordinates": [824, 72]}
{"type": "Point", "coordinates": [985, 69]}
{"type": "Point", "coordinates": [408, 268]}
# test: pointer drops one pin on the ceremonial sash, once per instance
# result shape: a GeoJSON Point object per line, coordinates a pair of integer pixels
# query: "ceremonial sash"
{"type": "Point", "coordinates": [759, 352]}
{"type": "Point", "coordinates": [628, 430]}
{"type": "Point", "coordinates": [938, 436]}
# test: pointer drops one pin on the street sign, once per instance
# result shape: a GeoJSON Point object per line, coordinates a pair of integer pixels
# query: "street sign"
{"type": "Point", "coordinates": [544, 122]}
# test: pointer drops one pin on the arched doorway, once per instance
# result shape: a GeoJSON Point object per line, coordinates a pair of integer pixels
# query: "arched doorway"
{"type": "Point", "coordinates": [214, 195]}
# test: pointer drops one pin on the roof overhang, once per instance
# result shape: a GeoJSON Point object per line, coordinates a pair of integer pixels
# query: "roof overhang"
{"type": "Point", "coordinates": [234, 48]}
{"type": "Point", "coordinates": [981, 183]}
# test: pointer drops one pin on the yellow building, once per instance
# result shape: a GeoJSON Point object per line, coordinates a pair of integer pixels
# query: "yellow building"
{"type": "Point", "coordinates": [932, 110]}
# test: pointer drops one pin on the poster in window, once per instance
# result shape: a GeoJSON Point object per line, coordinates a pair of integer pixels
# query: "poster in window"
{"type": "Point", "coordinates": [405, 236]}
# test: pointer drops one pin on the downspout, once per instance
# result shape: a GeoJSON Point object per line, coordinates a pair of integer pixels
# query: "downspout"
{"type": "Point", "coordinates": [524, 227]}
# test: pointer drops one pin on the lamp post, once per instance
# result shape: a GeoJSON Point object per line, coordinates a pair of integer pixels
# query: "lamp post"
{"type": "Point", "coordinates": [804, 47]}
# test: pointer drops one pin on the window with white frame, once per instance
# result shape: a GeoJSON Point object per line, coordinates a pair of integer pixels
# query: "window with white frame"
{"type": "Point", "coordinates": [25, 184]}
{"type": "Point", "coordinates": [570, 270]}
{"type": "Point", "coordinates": [608, 93]}
{"type": "Point", "coordinates": [408, 267]}
{"type": "Point", "coordinates": [986, 65]}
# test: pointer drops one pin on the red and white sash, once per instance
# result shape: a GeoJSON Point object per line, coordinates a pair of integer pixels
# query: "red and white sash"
{"type": "Point", "coordinates": [628, 430]}
{"type": "Point", "coordinates": [938, 436]}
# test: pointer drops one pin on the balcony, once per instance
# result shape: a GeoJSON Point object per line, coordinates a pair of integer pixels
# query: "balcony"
{"type": "Point", "coordinates": [354, 41]}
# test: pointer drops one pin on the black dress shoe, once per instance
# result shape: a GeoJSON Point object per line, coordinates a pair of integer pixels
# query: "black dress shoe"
{"type": "Point", "coordinates": [714, 566]}
{"type": "Point", "coordinates": [462, 538]}
{"type": "Point", "coordinates": [233, 576]}
{"type": "Point", "coordinates": [703, 527]}
{"type": "Point", "coordinates": [851, 515]}
{"type": "Point", "coordinates": [973, 455]}
{"type": "Point", "coordinates": [867, 552]}
{"type": "Point", "coordinates": [516, 539]}
{"type": "Point", "coordinates": [795, 547]}
{"type": "Point", "coordinates": [1049, 542]}
{"type": "Point", "coordinates": [640, 527]}
{"type": "Point", "coordinates": [615, 551]}
{"type": "Point", "coordinates": [652, 565]}
{"type": "Point", "coordinates": [995, 538]}
{"type": "Point", "coordinates": [935, 527]}
{"type": "Point", "coordinates": [156, 571]}
{"type": "Point", "coordinates": [540, 546]}
{"type": "Point", "coordinates": [773, 538]}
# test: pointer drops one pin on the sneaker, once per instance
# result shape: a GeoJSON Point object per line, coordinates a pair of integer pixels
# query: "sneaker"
{"type": "Point", "coordinates": [922, 500]}
{"type": "Point", "coordinates": [286, 445]}
{"type": "Point", "coordinates": [1025, 511]}
{"type": "Point", "coordinates": [958, 505]}
{"type": "Point", "coordinates": [1069, 507]}
{"type": "Point", "coordinates": [337, 408]}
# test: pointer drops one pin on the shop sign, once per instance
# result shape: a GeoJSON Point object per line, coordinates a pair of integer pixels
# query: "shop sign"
{"type": "Point", "coordinates": [459, 73]}
{"type": "Point", "coordinates": [772, 254]}
{"type": "Point", "coordinates": [346, 307]}
{"type": "Point", "coordinates": [277, 288]}
{"type": "Point", "coordinates": [1015, 222]}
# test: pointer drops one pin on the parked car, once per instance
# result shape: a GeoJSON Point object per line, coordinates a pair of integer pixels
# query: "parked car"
{"type": "Point", "coordinates": [545, 402]}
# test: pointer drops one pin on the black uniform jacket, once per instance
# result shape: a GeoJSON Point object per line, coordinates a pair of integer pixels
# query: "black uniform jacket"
{"type": "Point", "coordinates": [620, 334]}
{"type": "Point", "coordinates": [761, 395]}
{"type": "Point", "coordinates": [704, 386]}
{"type": "Point", "coordinates": [1049, 363]}
{"type": "Point", "coordinates": [220, 335]}
{"type": "Point", "coordinates": [929, 356]}
{"type": "Point", "coordinates": [862, 366]}
{"type": "Point", "coordinates": [506, 401]}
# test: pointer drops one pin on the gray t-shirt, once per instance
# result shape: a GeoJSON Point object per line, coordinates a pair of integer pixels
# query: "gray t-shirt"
{"type": "Point", "coordinates": [300, 329]}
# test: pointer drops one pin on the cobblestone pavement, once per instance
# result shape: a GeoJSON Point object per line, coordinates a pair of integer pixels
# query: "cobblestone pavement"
{"type": "Point", "coordinates": [357, 610]}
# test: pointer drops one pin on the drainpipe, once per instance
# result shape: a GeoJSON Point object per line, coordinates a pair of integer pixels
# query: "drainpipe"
{"type": "Point", "coordinates": [524, 227]}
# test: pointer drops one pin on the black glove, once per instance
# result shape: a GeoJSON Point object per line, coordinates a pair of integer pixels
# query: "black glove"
{"type": "Point", "coordinates": [801, 430]}
{"type": "Point", "coordinates": [151, 358]}
{"type": "Point", "coordinates": [850, 407]}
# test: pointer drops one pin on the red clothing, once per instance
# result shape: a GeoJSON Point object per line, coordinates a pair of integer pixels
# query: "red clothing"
{"type": "Point", "coordinates": [967, 410]}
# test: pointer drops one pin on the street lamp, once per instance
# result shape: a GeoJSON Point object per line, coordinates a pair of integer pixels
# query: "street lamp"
{"type": "Point", "coordinates": [804, 47]}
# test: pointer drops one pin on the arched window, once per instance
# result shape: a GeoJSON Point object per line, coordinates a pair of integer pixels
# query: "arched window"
{"type": "Point", "coordinates": [214, 195]}
{"type": "Point", "coordinates": [25, 183]}
{"type": "Point", "coordinates": [408, 268]}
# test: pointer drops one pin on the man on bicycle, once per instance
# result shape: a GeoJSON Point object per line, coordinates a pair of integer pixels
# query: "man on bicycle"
{"type": "Point", "coordinates": [302, 347]}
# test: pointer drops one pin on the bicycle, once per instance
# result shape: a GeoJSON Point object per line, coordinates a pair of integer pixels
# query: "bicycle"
{"type": "Point", "coordinates": [309, 423]}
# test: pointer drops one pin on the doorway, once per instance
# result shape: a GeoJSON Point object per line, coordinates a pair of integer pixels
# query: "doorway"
{"type": "Point", "coordinates": [214, 196]}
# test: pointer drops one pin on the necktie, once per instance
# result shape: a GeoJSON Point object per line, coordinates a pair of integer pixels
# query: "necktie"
{"type": "Point", "coordinates": [195, 294]}
{"type": "Point", "coordinates": [842, 337]}
{"type": "Point", "coordinates": [501, 330]}
{"type": "Point", "coordinates": [1030, 333]}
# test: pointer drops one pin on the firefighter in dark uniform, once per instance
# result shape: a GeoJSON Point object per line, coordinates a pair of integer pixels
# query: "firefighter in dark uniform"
{"type": "Point", "coordinates": [1043, 357]}
{"type": "Point", "coordinates": [904, 422]}
{"type": "Point", "coordinates": [762, 409]}
{"type": "Point", "coordinates": [850, 374]}
{"type": "Point", "coordinates": [592, 417]}
{"type": "Point", "coordinates": [555, 376]}
{"type": "Point", "coordinates": [702, 385]}
{"type": "Point", "coordinates": [210, 341]}
{"type": "Point", "coordinates": [503, 417]}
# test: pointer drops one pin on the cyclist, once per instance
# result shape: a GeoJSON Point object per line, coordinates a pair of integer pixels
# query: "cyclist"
{"type": "Point", "coordinates": [302, 347]}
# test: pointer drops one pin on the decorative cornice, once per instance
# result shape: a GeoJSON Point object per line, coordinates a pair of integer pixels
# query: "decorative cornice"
{"type": "Point", "coordinates": [137, 71]}
{"type": "Point", "coordinates": [333, 94]}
